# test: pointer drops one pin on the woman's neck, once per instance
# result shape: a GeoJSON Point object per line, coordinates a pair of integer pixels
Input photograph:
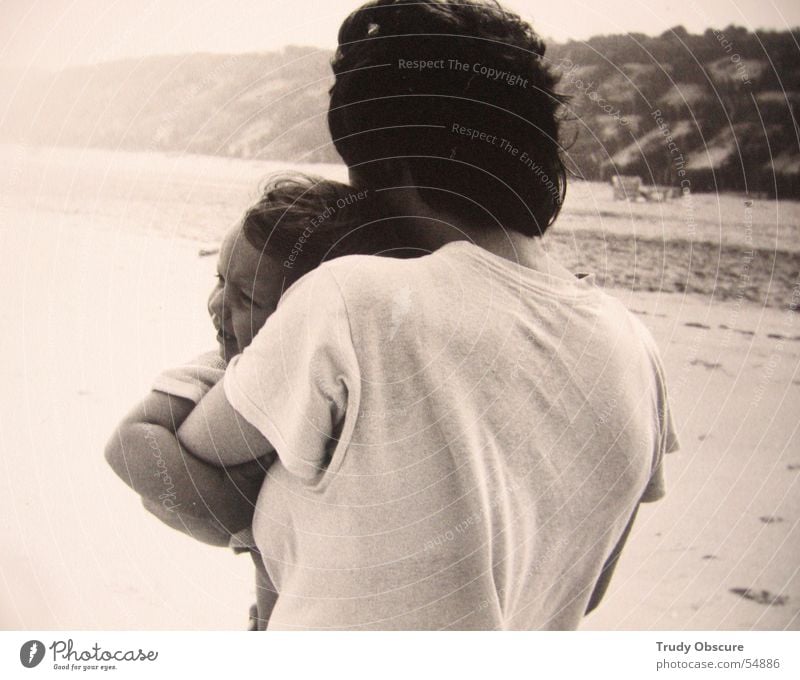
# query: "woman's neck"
{"type": "Point", "coordinates": [431, 233]}
{"type": "Point", "coordinates": [421, 227]}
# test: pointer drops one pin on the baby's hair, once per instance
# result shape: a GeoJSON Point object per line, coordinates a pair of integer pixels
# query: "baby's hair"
{"type": "Point", "coordinates": [301, 221]}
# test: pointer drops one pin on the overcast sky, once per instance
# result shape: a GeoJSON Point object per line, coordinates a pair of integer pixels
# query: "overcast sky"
{"type": "Point", "coordinates": [58, 33]}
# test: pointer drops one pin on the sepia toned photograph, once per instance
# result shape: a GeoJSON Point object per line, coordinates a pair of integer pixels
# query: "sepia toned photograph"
{"type": "Point", "coordinates": [400, 316]}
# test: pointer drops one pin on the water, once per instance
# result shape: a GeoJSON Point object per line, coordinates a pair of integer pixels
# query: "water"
{"type": "Point", "coordinates": [194, 197]}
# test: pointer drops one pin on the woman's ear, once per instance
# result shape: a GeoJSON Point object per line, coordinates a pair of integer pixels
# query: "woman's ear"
{"type": "Point", "coordinates": [356, 178]}
{"type": "Point", "coordinates": [399, 191]}
{"type": "Point", "coordinates": [378, 174]}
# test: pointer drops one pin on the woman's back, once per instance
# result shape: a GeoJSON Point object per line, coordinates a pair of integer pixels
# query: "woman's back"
{"type": "Point", "coordinates": [496, 429]}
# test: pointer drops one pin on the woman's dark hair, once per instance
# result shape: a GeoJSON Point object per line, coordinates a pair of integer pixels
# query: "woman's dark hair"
{"type": "Point", "coordinates": [302, 221]}
{"type": "Point", "coordinates": [459, 92]}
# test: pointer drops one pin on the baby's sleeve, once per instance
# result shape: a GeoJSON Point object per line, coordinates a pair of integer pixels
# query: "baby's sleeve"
{"type": "Point", "coordinates": [192, 380]}
{"type": "Point", "coordinates": [298, 382]}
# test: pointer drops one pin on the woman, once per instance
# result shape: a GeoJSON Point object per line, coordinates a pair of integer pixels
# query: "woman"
{"type": "Point", "coordinates": [462, 438]}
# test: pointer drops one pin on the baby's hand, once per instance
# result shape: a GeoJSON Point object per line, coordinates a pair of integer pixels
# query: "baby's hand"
{"type": "Point", "coordinates": [247, 478]}
{"type": "Point", "coordinates": [255, 470]}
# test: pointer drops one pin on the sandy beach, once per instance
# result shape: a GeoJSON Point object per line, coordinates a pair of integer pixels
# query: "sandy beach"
{"type": "Point", "coordinates": [104, 288]}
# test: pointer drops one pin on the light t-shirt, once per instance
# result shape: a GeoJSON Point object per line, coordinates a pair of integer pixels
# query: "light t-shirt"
{"type": "Point", "coordinates": [461, 442]}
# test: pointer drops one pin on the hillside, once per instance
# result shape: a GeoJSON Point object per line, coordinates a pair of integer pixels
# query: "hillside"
{"type": "Point", "coordinates": [269, 105]}
{"type": "Point", "coordinates": [728, 99]}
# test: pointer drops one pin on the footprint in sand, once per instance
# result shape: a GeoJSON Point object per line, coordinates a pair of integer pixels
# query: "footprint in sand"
{"type": "Point", "coordinates": [779, 336]}
{"type": "Point", "coordinates": [736, 330]}
{"type": "Point", "coordinates": [761, 596]}
{"type": "Point", "coordinates": [710, 365]}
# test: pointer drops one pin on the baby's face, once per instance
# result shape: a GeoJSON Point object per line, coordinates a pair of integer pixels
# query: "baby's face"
{"type": "Point", "coordinates": [248, 289]}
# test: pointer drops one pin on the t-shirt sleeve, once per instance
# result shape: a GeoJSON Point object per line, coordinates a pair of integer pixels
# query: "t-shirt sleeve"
{"type": "Point", "coordinates": [192, 380]}
{"type": "Point", "coordinates": [667, 439]}
{"type": "Point", "coordinates": [298, 382]}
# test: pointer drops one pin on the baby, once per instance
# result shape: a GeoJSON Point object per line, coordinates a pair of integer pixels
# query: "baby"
{"type": "Point", "coordinates": [297, 224]}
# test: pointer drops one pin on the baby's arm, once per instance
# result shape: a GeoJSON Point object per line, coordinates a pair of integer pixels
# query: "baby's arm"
{"type": "Point", "coordinates": [146, 455]}
{"type": "Point", "coordinates": [203, 530]}
{"type": "Point", "coordinates": [217, 434]}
